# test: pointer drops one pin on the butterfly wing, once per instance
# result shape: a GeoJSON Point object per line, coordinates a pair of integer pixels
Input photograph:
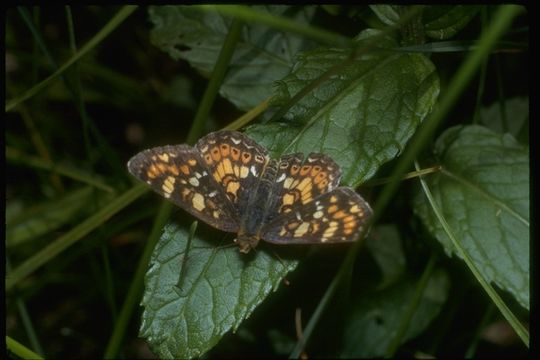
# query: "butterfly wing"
{"type": "Point", "coordinates": [336, 216]}
{"type": "Point", "coordinates": [180, 174]}
{"type": "Point", "coordinates": [236, 163]}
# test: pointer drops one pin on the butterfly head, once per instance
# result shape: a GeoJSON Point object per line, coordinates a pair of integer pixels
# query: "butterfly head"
{"type": "Point", "coordinates": [246, 242]}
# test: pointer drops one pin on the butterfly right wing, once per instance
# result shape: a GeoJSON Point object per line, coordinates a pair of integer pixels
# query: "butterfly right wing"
{"type": "Point", "coordinates": [236, 163]}
{"type": "Point", "coordinates": [179, 174]}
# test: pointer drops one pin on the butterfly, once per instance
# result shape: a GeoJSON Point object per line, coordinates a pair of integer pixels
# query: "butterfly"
{"type": "Point", "coordinates": [229, 181]}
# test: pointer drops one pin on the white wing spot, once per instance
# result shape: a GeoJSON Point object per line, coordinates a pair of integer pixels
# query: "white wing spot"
{"type": "Point", "coordinates": [193, 181]}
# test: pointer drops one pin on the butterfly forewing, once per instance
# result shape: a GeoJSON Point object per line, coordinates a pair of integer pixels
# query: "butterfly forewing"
{"type": "Point", "coordinates": [179, 174]}
{"type": "Point", "coordinates": [299, 182]}
{"type": "Point", "coordinates": [236, 163]}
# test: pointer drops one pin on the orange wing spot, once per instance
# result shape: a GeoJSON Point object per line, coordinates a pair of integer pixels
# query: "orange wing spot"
{"type": "Point", "coordinates": [164, 157]}
{"type": "Point", "coordinates": [288, 199]}
{"type": "Point", "coordinates": [305, 187]}
{"type": "Point", "coordinates": [244, 172]}
{"type": "Point", "coordinates": [294, 169]}
{"type": "Point", "coordinates": [320, 177]}
{"type": "Point", "coordinates": [174, 170]}
{"type": "Point", "coordinates": [225, 150]}
{"type": "Point", "coordinates": [152, 172]}
{"type": "Point", "coordinates": [333, 199]}
{"type": "Point", "coordinates": [185, 193]}
{"type": "Point", "coordinates": [287, 183]}
{"type": "Point", "coordinates": [305, 170]}
{"type": "Point", "coordinates": [161, 168]}
{"type": "Point", "coordinates": [197, 201]}
{"type": "Point", "coordinates": [350, 218]}
{"type": "Point", "coordinates": [315, 226]}
{"type": "Point", "coordinates": [216, 155]}
{"type": "Point", "coordinates": [356, 209]}
{"type": "Point", "coordinates": [208, 159]}
{"type": "Point", "coordinates": [316, 169]}
{"type": "Point", "coordinates": [322, 185]}
{"type": "Point", "coordinates": [192, 162]}
{"type": "Point", "coordinates": [332, 209]}
{"type": "Point", "coordinates": [301, 230]}
{"type": "Point", "coordinates": [350, 225]}
{"type": "Point", "coordinates": [292, 226]}
{"type": "Point", "coordinates": [304, 184]}
{"type": "Point", "coordinates": [232, 187]}
{"type": "Point", "coordinates": [339, 214]}
{"type": "Point", "coordinates": [348, 231]}
{"type": "Point", "coordinates": [246, 157]}
{"type": "Point", "coordinates": [235, 153]}
{"type": "Point", "coordinates": [184, 169]}
{"type": "Point", "coordinates": [227, 166]}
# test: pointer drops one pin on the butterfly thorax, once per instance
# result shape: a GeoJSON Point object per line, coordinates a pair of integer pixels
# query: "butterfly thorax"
{"type": "Point", "coordinates": [260, 205]}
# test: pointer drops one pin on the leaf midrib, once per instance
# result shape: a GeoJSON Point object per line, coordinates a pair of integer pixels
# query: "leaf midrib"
{"type": "Point", "coordinates": [490, 197]}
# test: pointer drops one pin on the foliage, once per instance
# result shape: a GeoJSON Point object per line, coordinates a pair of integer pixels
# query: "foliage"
{"type": "Point", "coordinates": [363, 84]}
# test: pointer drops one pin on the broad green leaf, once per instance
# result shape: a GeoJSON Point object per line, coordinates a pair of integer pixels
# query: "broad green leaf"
{"type": "Point", "coordinates": [388, 14]}
{"type": "Point", "coordinates": [219, 287]}
{"type": "Point", "coordinates": [262, 56]}
{"type": "Point", "coordinates": [483, 193]}
{"type": "Point", "coordinates": [440, 22]}
{"type": "Point", "coordinates": [516, 121]}
{"type": "Point", "coordinates": [384, 244]}
{"type": "Point", "coordinates": [363, 116]}
{"type": "Point", "coordinates": [443, 22]}
{"type": "Point", "coordinates": [375, 317]}
{"type": "Point", "coordinates": [48, 216]}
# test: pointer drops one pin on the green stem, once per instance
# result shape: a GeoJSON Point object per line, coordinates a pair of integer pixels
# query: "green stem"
{"type": "Point", "coordinates": [505, 311]}
{"type": "Point", "coordinates": [218, 74]}
{"type": "Point", "coordinates": [104, 32]}
{"type": "Point", "coordinates": [71, 237]}
{"type": "Point", "coordinates": [398, 339]}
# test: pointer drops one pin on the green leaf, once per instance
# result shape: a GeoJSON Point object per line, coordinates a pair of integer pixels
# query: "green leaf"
{"type": "Point", "coordinates": [363, 116]}
{"type": "Point", "coordinates": [443, 22]}
{"type": "Point", "coordinates": [375, 317]}
{"type": "Point", "coordinates": [219, 287]}
{"type": "Point", "coordinates": [440, 21]}
{"type": "Point", "coordinates": [483, 193]}
{"type": "Point", "coordinates": [515, 121]}
{"type": "Point", "coordinates": [263, 55]}
{"type": "Point", "coordinates": [384, 243]}
{"type": "Point", "coordinates": [388, 14]}
{"type": "Point", "coordinates": [41, 219]}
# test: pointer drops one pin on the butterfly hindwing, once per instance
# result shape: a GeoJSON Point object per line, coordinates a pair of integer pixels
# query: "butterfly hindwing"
{"type": "Point", "coordinates": [335, 216]}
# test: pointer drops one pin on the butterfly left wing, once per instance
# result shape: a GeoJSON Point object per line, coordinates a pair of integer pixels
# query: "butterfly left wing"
{"type": "Point", "coordinates": [335, 216]}
{"type": "Point", "coordinates": [179, 174]}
